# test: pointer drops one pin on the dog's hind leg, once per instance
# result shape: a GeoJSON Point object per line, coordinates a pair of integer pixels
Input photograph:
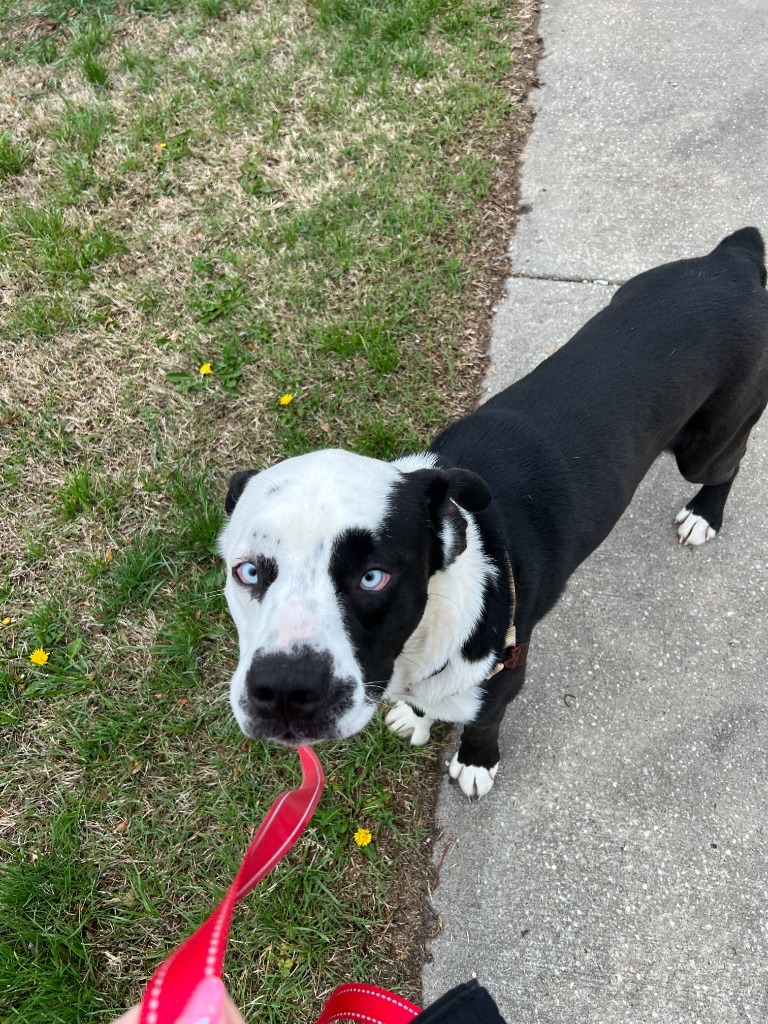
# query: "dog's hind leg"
{"type": "Point", "coordinates": [475, 764]}
{"type": "Point", "coordinates": [702, 517]}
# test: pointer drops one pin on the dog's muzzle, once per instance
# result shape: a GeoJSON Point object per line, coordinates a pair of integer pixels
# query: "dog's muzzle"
{"type": "Point", "coordinates": [294, 698]}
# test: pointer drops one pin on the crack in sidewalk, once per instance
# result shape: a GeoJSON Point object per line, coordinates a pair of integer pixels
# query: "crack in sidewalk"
{"type": "Point", "coordinates": [567, 280]}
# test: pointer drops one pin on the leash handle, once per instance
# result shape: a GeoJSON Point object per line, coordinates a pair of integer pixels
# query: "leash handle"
{"type": "Point", "coordinates": [367, 1004]}
{"type": "Point", "coordinates": [202, 954]}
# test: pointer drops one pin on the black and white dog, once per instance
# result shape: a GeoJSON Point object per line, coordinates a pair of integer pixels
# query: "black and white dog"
{"type": "Point", "coordinates": [354, 581]}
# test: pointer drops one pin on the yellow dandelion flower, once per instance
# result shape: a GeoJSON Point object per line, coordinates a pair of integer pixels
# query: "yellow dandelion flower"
{"type": "Point", "coordinates": [39, 657]}
{"type": "Point", "coordinates": [6, 621]}
{"type": "Point", "coordinates": [286, 399]}
{"type": "Point", "coordinates": [204, 369]}
{"type": "Point", "coordinates": [362, 837]}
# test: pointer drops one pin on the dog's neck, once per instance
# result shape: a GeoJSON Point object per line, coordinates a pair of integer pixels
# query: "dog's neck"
{"type": "Point", "coordinates": [455, 604]}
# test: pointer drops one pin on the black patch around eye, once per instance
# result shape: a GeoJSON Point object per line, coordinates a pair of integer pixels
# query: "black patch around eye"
{"type": "Point", "coordinates": [352, 556]}
{"type": "Point", "coordinates": [350, 552]}
{"type": "Point", "coordinates": [378, 623]}
{"type": "Point", "coordinates": [266, 569]}
{"type": "Point", "coordinates": [362, 611]}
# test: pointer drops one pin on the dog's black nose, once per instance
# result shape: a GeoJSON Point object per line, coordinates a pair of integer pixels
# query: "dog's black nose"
{"type": "Point", "coordinates": [288, 686]}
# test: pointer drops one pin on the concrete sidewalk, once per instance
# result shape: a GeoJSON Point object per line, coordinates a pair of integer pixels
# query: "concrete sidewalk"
{"type": "Point", "coordinates": [619, 869]}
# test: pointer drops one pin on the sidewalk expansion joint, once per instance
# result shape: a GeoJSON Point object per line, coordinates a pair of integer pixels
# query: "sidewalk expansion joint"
{"type": "Point", "coordinates": [567, 280]}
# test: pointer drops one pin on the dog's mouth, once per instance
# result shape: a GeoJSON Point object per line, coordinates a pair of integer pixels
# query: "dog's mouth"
{"type": "Point", "coordinates": [338, 723]}
{"type": "Point", "coordinates": [293, 734]}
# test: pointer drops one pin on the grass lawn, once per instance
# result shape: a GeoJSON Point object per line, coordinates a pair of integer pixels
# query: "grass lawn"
{"type": "Point", "coordinates": [230, 232]}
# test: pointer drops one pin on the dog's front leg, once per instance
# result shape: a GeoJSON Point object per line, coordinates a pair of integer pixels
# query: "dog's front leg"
{"type": "Point", "coordinates": [409, 723]}
{"type": "Point", "coordinates": [476, 762]}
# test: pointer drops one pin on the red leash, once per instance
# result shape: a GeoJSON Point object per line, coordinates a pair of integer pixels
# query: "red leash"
{"type": "Point", "coordinates": [202, 955]}
{"type": "Point", "coordinates": [367, 1004]}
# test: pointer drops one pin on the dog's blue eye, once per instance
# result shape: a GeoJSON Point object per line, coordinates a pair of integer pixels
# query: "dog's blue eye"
{"type": "Point", "coordinates": [375, 579]}
{"type": "Point", "coordinates": [247, 573]}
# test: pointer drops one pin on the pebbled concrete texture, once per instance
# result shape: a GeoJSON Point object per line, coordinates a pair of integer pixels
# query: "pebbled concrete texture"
{"type": "Point", "coordinates": [651, 134]}
{"type": "Point", "coordinates": [618, 871]}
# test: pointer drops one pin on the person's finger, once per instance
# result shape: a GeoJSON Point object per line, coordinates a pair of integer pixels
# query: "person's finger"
{"type": "Point", "coordinates": [231, 1013]}
{"type": "Point", "coordinates": [208, 1000]}
{"type": "Point", "coordinates": [130, 1016]}
{"type": "Point", "coordinates": [205, 1004]}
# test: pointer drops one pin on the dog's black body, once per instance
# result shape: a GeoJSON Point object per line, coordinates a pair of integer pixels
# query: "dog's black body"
{"type": "Point", "coordinates": [353, 580]}
{"type": "Point", "coordinates": [677, 361]}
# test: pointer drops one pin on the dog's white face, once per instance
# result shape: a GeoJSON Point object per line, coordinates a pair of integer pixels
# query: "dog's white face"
{"type": "Point", "coordinates": [329, 557]}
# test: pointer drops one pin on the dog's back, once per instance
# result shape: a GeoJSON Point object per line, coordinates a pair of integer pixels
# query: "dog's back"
{"type": "Point", "coordinates": [678, 360]}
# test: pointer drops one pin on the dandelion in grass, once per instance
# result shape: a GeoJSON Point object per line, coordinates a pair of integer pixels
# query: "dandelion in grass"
{"type": "Point", "coordinates": [286, 399]}
{"type": "Point", "coordinates": [205, 369]}
{"type": "Point", "coordinates": [39, 657]}
{"type": "Point", "coordinates": [362, 837]}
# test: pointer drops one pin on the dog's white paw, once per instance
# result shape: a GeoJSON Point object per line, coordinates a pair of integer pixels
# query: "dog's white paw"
{"type": "Point", "coordinates": [404, 721]}
{"type": "Point", "coordinates": [473, 781]}
{"type": "Point", "coordinates": [693, 529]}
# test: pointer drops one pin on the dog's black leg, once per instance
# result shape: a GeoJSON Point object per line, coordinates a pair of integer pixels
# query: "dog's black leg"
{"type": "Point", "coordinates": [476, 762]}
{"type": "Point", "coordinates": [702, 517]}
{"type": "Point", "coordinates": [708, 451]}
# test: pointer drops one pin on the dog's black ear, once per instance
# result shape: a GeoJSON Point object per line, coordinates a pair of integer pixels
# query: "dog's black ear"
{"type": "Point", "coordinates": [444, 490]}
{"type": "Point", "coordinates": [237, 484]}
{"type": "Point", "coordinates": [468, 490]}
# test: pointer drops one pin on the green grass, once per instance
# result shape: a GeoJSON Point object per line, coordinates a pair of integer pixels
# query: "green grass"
{"type": "Point", "coordinates": [13, 156]}
{"type": "Point", "coordinates": [291, 193]}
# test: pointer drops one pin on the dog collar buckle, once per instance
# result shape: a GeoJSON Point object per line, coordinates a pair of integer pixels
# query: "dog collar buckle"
{"type": "Point", "coordinates": [515, 656]}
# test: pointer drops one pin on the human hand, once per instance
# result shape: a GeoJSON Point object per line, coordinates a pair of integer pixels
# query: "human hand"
{"type": "Point", "coordinates": [208, 1004]}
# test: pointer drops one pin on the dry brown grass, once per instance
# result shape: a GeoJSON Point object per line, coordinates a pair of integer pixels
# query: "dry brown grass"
{"type": "Point", "coordinates": [93, 391]}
